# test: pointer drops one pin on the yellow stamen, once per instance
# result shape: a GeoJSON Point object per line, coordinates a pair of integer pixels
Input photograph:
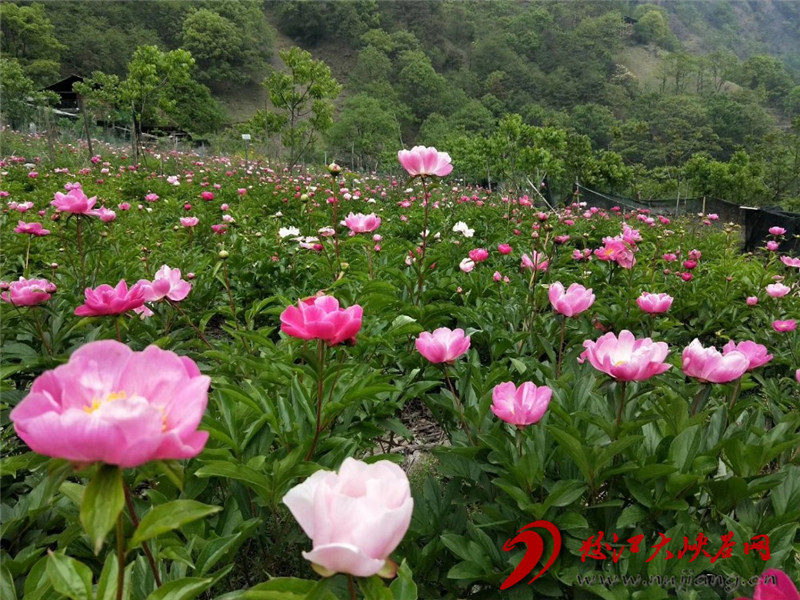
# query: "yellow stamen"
{"type": "Point", "coordinates": [110, 398]}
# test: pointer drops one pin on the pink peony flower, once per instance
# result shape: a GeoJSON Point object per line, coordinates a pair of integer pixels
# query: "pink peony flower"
{"type": "Point", "coordinates": [151, 197]}
{"type": "Point", "coordinates": [355, 518]}
{"type": "Point", "coordinates": [443, 345]}
{"type": "Point", "coordinates": [752, 300]}
{"type": "Point", "coordinates": [479, 254]}
{"type": "Point", "coordinates": [535, 261]}
{"type": "Point", "coordinates": [571, 302]}
{"type": "Point", "coordinates": [123, 206]}
{"type": "Point", "coordinates": [358, 223]}
{"type": "Point", "coordinates": [105, 300]}
{"type": "Point", "coordinates": [617, 251]}
{"type": "Point", "coordinates": [778, 290]}
{"type": "Point", "coordinates": [772, 245]}
{"type": "Point", "coordinates": [117, 406]}
{"type": "Point", "coordinates": [321, 318]}
{"type": "Point", "coordinates": [28, 292]}
{"type": "Point", "coordinates": [189, 221]}
{"type": "Point", "coordinates": [709, 366]}
{"type": "Point", "coordinates": [504, 249]}
{"type": "Point", "coordinates": [166, 284]}
{"type": "Point", "coordinates": [755, 353]}
{"type": "Point", "coordinates": [207, 195]}
{"type": "Point", "coordinates": [520, 406]}
{"type": "Point", "coordinates": [467, 265]}
{"type": "Point", "coordinates": [104, 214]}
{"type": "Point", "coordinates": [654, 303]}
{"type": "Point", "coordinates": [31, 229]}
{"type": "Point", "coordinates": [75, 202]}
{"type": "Point", "coordinates": [774, 584]}
{"type": "Point", "coordinates": [220, 229]}
{"type": "Point", "coordinates": [669, 257]}
{"type": "Point", "coordinates": [784, 326]}
{"type": "Point", "coordinates": [497, 276]}
{"type": "Point", "coordinates": [790, 262]}
{"type": "Point", "coordinates": [422, 161]}
{"type": "Point", "coordinates": [777, 230]}
{"type": "Point", "coordinates": [626, 358]}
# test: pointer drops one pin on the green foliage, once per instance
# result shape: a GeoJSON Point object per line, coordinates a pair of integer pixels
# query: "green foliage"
{"type": "Point", "coordinates": [21, 99]}
{"type": "Point", "coordinates": [26, 34]}
{"type": "Point", "coordinates": [364, 131]}
{"type": "Point", "coordinates": [302, 102]}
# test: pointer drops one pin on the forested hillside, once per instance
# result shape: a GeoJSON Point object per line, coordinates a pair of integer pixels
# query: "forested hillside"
{"type": "Point", "coordinates": [651, 99]}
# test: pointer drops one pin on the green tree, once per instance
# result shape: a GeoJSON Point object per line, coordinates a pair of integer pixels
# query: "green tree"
{"type": "Point", "coordinates": [364, 131]}
{"type": "Point", "coordinates": [302, 102]}
{"type": "Point", "coordinates": [420, 86]}
{"type": "Point", "coordinates": [217, 47]}
{"type": "Point", "coordinates": [27, 35]}
{"type": "Point", "coordinates": [767, 74]}
{"type": "Point", "coordinates": [19, 94]}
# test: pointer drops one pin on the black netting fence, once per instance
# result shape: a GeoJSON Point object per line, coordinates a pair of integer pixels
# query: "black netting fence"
{"type": "Point", "coordinates": [755, 222]}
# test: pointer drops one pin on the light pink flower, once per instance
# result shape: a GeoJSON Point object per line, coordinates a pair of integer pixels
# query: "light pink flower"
{"type": "Point", "coordinates": [535, 261]}
{"type": "Point", "coordinates": [617, 251]}
{"type": "Point", "coordinates": [709, 366]}
{"type": "Point", "coordinates": [166, 284]}
{"type": "Point", "coordinates": [105, 300]}
{"type": "Point", "coordinates": [626, 358]}
{"type": "Point", "coordinates": [654, 303]}
{"type": "Point", "coordinates": [443, 345]}
{"type": "Point", "coordinates": [777, 230]}
{"type": "Point", "coordinates": [467, 265]}
{"type": "Point", "coordinates": [520, 406]}
{"type": "Point", "coordinates": [321, 318]}
{"type": "Point", "coordinates": [31, 229]}
{"type": "Point", "coordinates": [669, 257]}
{"type": "Point", "coordinates": [784, 326]}
{"type": "Point", "coordinates": [355, 518]}
{"type": "Point", "coordinates": [778, 290]}
{"type": "Point", "coordinates": [75, 202]}
{"type": "Point", "coordinates": [359, 223]}
{"type": "Point", "coordinates": [151, 197]}
{"type": "Point", "coordinates": [422, 161]}
{"type": "Point", "coordinates": [752, 300]}
{"type": "Point", "coordinates": [28, 292]}
{"type": "Point", "coordinates": [755, 353]}
{"type": "Point", "coordinates": [790, 262]}
{"type": "Point", "coordinates": [189, 221]}
{"type": "Point", "coordinates": [772, 245]}
{"type": "Point", "coordinates": [104, 214]}
{"type": "Point", "coordinates": [117, 406]}
{"type": "Point", "coordinates": [571, 302]}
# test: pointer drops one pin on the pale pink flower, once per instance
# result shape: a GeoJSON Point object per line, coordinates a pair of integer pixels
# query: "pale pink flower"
{"type": "Point", "coordinates": [755, 353]}
{"type": "Point", "coordinates": [626, 358]}
{"type": "Point", "coordinates": [75, 202]}
{"type": "Point", "coordinates": [709, 366]}
{"type": "Point", "coordinates": [113, 405]}
{"type": "Point", "coordinates": [575, 300]}
{"type": "Point", "coordinates": [654, 303]}
{"type": "Point", "coordinates": [778, 290]}
{"type": "Point", "coordinates": [189, 221]}
{"type": "Point", "coordinates": [166, 284]}
{"type": "Point", "coordinates": [422, 161]}
{"type": "Point", "coordinates": [443, 345]}
{"type": "Point", "coordinates": [28, 292]}
{"type": "Point", "coordinates": [520, 406]}
{"type": "Point", "coordinates": [31, 229]}
{"type": "Point", "coordinates": [360, 223]}
{"type": "Point", "coordinates": [355, 518]}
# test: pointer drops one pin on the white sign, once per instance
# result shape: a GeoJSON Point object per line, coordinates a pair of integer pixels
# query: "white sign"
{"type": "Point", "coordinates": [246, 137]}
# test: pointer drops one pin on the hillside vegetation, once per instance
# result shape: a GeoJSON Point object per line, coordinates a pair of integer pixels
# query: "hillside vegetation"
{"type": "Point", "coordinates": [656, 99]}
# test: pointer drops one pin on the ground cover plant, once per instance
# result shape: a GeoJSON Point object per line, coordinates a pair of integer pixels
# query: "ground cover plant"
{"type": "Point", "coordinates": [223, 380]}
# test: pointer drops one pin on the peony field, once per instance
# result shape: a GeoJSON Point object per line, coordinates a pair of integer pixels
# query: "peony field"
{"type": "Point", "coordinates": [225, 379]}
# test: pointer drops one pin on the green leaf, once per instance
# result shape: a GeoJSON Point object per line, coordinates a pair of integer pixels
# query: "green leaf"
{"type": "Point", "coordinates": [404, 588]}
{"type": "Point", "coordinates": [631, 515]}
{"type": "Point", "coordinates": [182, 589]}
{"type": "Point", "coordinates": [102, 503]}
{"type": "Point", "coordinates": [70, 577]}
{"type": "Point", "coordinates": [564, 492]}
{"type": "Point", "coordinates": [107, 586]}
{"type": "Point", "coordinates": [289, 588]}
{"type": "Point", "coordinates": [467, 570]}
{"type": "Point", "coordinates": [373, 588]}
{"type": "Point", "coordinates": [169, 516]}
{"type": "Point", "coordinates": [7, 589]}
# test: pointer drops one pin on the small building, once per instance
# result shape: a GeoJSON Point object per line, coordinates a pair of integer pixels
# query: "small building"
{"type": "Point", "coordinates": [68, 97]}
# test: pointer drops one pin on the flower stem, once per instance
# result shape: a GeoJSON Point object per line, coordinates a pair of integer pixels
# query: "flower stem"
{"type": "Point", "coordinates": [27, 254]}
{"type": "Point", "coordinates": [320, 393]}
{"type": "Point", "coordinates": [116, 325]}
{"type": "Point", "coordinates": [459, 406]}
{"type": "Point", "coordinates": [735, 394]}
{"type": "Point", "coordinates": [145, 545]}
{"type": "Point", "coordinates": [622, 387]}
{"type": "Point", "coordinates": [230, 294]}
{"type": "Point", "coordinates": [177, 307]}
{"type": "Point", "coordinates": [40, 329]}
{"type": "Point", "coordinates": [80, 250]}
{"type": "Point", "coordinates": [351, 587]}
{"type": "Point", "coordinates": [561, 346]}
{"type": "Point", "coordinates": [426, 206]}
{"type": "Point", "coordinates": [120, 557]}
